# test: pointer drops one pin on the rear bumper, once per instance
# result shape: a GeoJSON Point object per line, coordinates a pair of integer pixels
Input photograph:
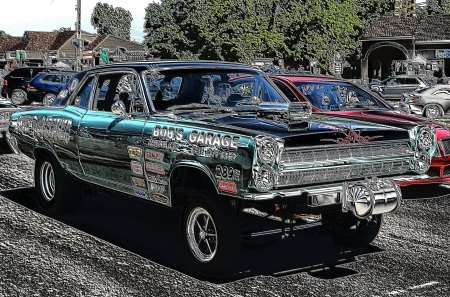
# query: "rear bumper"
{"type": "Point", "coordinates": [410, 108]}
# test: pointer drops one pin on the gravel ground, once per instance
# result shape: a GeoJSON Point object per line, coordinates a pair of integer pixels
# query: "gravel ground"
{"type": "Point", "coordinates": [117, 247]}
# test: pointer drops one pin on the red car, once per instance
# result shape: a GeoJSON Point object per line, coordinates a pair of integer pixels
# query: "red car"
{"type": "Point", "coordinates": [339, 97]}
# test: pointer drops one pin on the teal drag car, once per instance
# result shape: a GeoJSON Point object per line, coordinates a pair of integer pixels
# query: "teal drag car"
{"type": "Point", "coordinates": [182, 135]}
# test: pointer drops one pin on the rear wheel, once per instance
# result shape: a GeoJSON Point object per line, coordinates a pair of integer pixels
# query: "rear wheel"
{"type": "Point", "coordinates": [18, 96]}
{"type": "Point", "coordinates": [433, 111]}
{"type": "Point", "coordinates": [48, 99]}
{"type": "Point", "coordinates": [56, 192]}
{"type": "Point", "coordinates": [211, 235]}
{"type": "Point", "coordinates": [348, 230]}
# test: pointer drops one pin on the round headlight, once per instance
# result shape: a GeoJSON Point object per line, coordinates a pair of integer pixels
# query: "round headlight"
{"type": "Point", "coordinates": [264, 179]}
{"type": "Point", "coordinates": [425, 139]}
{"type": "Point", "coordinates": [267, 149]}
{"type": "Point", "coordinates": [422, 162]}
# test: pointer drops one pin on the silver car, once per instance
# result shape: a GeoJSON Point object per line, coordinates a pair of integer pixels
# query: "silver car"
{"type": "Point", "coordinates": [432, 102]}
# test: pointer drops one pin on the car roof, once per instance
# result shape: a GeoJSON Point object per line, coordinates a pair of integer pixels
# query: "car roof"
{"type": "Point", "coordinates": [307, 78]}
{"type": "Point", "coordinates": [176, 64]}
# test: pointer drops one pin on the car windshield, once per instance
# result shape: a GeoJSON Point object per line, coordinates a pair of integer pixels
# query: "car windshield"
{"type": "Point", "coordinates": [179, 89]}
{"type": "Point", "coordinates": [335, 96]}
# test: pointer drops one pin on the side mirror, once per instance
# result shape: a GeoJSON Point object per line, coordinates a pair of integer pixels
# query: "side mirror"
{"type": "Point", "coordinates": [118, 108]}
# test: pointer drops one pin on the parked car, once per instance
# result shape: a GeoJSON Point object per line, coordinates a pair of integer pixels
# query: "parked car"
{"type": "Point", "coordinates": [210, 152]}
{"type": "Point", "coordinates": [46, 85]}
{"type": "Point", "coordinates": [331, 96]}
{"type": "Point", "coordinates": [392, 88]}
{"type": "Point", "coordinates": [6, 109]}
{"type": "Point", "coordinates": [15, 83]}
{"type": "Point", "coordinates": [432, 102]}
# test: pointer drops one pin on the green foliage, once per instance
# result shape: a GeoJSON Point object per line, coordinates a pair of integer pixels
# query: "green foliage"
{"type": "Point", "coordinates": [4, 34]}
{"type": "Point", "coordinates": [108, 19]}
{"type": "Point", "coordinates": [241, 30]}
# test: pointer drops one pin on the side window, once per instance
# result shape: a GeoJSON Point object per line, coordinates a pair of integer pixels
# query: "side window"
{"type": "Point", "coordinates": [444, 92]}
{"type": "Point", "coordinates": [285, 89]}
{"type": "Point", "coordinates": [121, 86]}
{"type": "Point", "coordinates": [411, 81]}
{"type": "Point", "coordinates": [84, 94]}
{"type": "Point", "coordinates": [392, 82]}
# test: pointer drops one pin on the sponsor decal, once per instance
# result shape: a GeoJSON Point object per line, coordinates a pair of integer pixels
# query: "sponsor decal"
{"type": "Point", "coordinates": [141, 193]}
{"type": "Point", "coordinates": [138, 182]}
{"type": "Point", "coordinates": [163, 144]}
{"type": "Point", "coordinates": [158, 179]}
{"type": "Point", "coordinates": [195, 143]}
{"type": "Point", "coordinates": [155, 168]}
{"type": "Point", "coordinates": [227, 173]}
{"type": "Point", "coordinates": [134, 152]}
{"type": "Point", "coordinates": [157, 188]}
{"type": "Point", "coordinates": [154, 155]}
{"type": "Point", "coordinates": [136, 168]}
{"type": "Point", "coordinates": [227, 186]}
{"type": "Point", "coordinates": [353, 137]}
{"type": "Point", "coordinates": [48, 128]}
{"type": "Point", "coordinates": [160, 198]}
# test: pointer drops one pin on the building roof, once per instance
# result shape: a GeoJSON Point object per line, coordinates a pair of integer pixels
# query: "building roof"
{"type": "Point", "coordinates": [35, 40]}
{"type": "Point", "coordinates": [9, 43]}
{"type": "Point", "coordinates": [423, 28]}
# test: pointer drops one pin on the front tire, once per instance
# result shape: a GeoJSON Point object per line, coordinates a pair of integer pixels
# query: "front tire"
{"type": "Point", "coordinates": [56, 192]}
{"type": "Point", "coordinates": [18, 96]}
{"type": "Point", "coordinates": [347, 230]}
{"type": "Point", "coordinates": [211, 235]}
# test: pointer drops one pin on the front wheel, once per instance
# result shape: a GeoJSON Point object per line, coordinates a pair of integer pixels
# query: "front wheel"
{"type": "Point", "coordinates": [56, 192]}
{"type": "Point", "coordinates": [348, 230]}
{"type": "Point", "coordinates": [211, 235]}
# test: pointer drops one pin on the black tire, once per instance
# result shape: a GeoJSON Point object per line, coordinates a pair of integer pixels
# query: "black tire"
{"type": "Point", "coordinates": [347, 230]}
{"type": "Point", "coordinates": [56, 192]}
{"type": "Point", "coordinates": [223, 221]}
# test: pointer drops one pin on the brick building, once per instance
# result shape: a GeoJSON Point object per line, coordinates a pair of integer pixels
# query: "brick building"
{"type": "Point", "coordinates": [45, 48]}
{"type": "Point", "coordinates": [419, 45]}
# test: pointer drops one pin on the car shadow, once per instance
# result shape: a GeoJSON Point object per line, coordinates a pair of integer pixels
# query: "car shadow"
{"type": "Point", "coordinates": [151, 232]}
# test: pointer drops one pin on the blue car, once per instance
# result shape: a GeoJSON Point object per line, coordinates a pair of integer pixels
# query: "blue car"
{"type": "Point", "coordinates": [45, 86]}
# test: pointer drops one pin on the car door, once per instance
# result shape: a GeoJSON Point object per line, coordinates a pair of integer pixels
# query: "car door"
{"type": "Point", "coordinates": [393, 87]}
{"type": "Point", "coordinates": [410, 84]}
{"type": "Point", "coordinates": [110, 145]}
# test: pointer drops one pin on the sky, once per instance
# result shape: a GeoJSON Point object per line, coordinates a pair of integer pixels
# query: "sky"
{"type": "Point", "coordinates": [49, 15]}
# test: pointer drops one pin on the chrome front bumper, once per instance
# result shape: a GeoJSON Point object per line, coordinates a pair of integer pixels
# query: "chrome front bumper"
{"type": "Point", "coordinates": [363, 198]}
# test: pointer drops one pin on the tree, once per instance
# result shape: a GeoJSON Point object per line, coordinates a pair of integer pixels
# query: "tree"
{"type": "Point", "coordinates": [110, 20]}
{"type": "Point", "coordinates": [4, 34]}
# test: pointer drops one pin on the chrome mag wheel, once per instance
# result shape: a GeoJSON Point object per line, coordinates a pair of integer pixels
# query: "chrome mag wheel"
{"type": "Point", "coordinates": [201, 234]}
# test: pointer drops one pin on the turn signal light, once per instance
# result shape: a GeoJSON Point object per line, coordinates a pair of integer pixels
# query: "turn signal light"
{"type": "Point", "coordinates": [414, 98]}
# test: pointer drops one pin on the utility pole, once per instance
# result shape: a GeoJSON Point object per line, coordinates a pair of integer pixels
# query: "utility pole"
{"type": "Point", "coordinates": [78, 46]}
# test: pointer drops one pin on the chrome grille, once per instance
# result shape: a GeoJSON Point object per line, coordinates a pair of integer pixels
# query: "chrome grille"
{"type": "Point", "coordinates": [446, 146]}
{"type": "Point", "coordinates": [344, 172]}
{"type": "Point", "coordinates": [336, 153]}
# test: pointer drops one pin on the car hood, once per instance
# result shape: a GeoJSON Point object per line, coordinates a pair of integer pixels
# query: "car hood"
{"type": "Point", "coordinates": [320, 130]}
{"type": "Point", "coordinates": [389, 117]}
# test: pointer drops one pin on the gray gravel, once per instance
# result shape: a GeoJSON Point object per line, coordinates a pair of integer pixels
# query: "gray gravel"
{"type": "Point", "coordinates": [41, 256]}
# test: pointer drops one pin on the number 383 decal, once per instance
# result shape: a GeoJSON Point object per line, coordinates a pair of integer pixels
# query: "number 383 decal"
{"type": "Point", "coordinates": [227, 173]}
